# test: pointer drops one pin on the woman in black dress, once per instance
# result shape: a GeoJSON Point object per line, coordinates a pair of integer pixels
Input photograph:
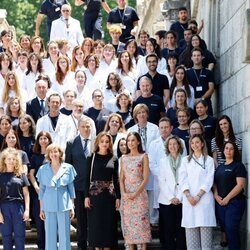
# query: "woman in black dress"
{"type": "Point", "coordinates": [103, 194]}
{"type": "Point", "coordinates": [37, 160]}
{"type": "Point", "coordinates": [26, 133]}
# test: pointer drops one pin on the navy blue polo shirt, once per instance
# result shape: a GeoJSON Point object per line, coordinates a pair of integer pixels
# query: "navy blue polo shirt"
{"type": "Point", "coordinates": [199, 79]}
{"type": "Point", "coordinates": [160, 83]}
{"type": "Point", "coordinates": [127, 17]}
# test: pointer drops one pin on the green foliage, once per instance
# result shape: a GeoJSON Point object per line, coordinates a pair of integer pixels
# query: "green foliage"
{"type": "Point", "coordinates": [22, 15]}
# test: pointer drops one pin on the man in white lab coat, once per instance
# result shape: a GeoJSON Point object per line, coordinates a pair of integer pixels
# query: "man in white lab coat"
{"type": "Point", "coordinates": [56, 123]}
{"type": "Point", "coordinates": [66, 27]}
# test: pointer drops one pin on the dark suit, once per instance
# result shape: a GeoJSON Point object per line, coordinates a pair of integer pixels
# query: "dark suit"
{"type": "Point", "coordinates": [74, 155]}
{"type": "Point", "coordinates": [33, 108]}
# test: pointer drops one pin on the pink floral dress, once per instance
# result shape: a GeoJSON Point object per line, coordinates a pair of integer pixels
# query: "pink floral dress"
{"type": "Point", "coordinates": [134, 213]}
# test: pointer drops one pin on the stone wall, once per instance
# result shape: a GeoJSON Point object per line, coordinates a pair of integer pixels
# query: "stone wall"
{"type": "Point", "coordinates": [227, 32]}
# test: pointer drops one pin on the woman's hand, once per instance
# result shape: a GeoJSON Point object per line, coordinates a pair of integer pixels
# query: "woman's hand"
{"type": "Point", "coordinates": [132, 196]}
{"type": "Point", "coordinates": [192, 200]}
{"type": "Point", "coordinates": [1, 218]}
{"type": "Point", "coordinates": [175, 201]}
{"type": "Point", "coordinates": [26, 215]}
{"type": "Point", "coordinates": [117, 204]}
{"type": "Point", "coordinates": [87, 203]}
{"type": "Point", "coordinates": [72, 213]}
{"type": "Point", "coordinates": [218, 199]}
{"type": "Point", "coordinates": [224, 201]}
{"type": "Point", "coordinates": [42, 215]}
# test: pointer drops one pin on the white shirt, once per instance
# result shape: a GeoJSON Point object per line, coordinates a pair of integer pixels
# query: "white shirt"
{"type": "Point", "coordinates": [29, 84]}
{"type": "Point", "coordinates": [109, 100]}
{"type": "Point", "coordinates": [68, 83]}
{"type": "Point", "coordinates": [72, 31]}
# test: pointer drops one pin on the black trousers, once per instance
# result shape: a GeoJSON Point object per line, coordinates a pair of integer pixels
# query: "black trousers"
{"type": "Point", "coordinates": [172, 235]}
{"type": "Point", "coordinates": [93, 26]}
{"type": "Point", "coordinates": [81, 217]}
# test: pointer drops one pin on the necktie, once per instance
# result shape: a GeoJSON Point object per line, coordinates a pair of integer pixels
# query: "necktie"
{"type": "Point", "coordinates": [42, 107]}
{"type": "Point", "coordinates": [85, 148]}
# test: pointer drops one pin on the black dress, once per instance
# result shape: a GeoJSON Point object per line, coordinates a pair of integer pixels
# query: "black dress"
{"type": "Point", "coordinates": [103, 190]}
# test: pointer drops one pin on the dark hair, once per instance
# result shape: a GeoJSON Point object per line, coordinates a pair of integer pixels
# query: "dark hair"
{"type": "Point", "coordinates": [185, 104]}
{"type": "Point", "coordinates": [171, 32]}
{"type": "Point", "coordinates": [4, 32]}
{"type": "Point", "coordinates": [182, 8]}
{"type": "Point", "coordinates": [130, 63]}
{"type": "Point", "coordinates": [152, 55]}
{"type": "Point", "coordinates": [37, 147]}
{"type": "Point", "coordinates": [219, 137]}
{"type": "Point", "coordinates": [136, 54]}
{"type": "Point", "coordinates": [161, 33]}
{"type": "Point", "coordinates": [97, 63]}
{"type": "Point", "coordinates": [4, 54]}
{"type": "Point", "coordinates": [119, 153]}
{"type": "Point", "coordinates": [157, 49]}
{"type": "Point", "coordinates": [184, 82]}
{"type": "Point", "coordinates": [169, 56]}
{"type": "Point", "coordinates": [32, 127]}
{"type": "Point", "coordinates": [119, 84]}
{"type": "Point", "coordinates": [17, 145]}
{"type": "Point", "coordinates": [39, 65]}
{"type": "Point", "coordinates": [138, 137]}
{"type": "Point", "coordinates": [236, 151]}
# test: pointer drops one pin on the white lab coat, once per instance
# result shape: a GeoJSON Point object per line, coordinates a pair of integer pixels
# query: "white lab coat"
{"type": "Point", "coordinates": [73, 34]}
{"type": "Point", "coordinates": [156, 152]}
{"type": "Point", "coordinates": [169, 186]}
{"type": "Point", "coordinates": [62, 132]}
{"type": "Point", "coordinates": [194, 178]}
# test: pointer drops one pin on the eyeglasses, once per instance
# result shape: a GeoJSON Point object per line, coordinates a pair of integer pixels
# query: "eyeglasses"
{"type": "Point", "coordinates": [91, 60]}
{"type": "Point", "coordinates": [112, 79]}
{"type": "Point", "coordinates": [65, 10]}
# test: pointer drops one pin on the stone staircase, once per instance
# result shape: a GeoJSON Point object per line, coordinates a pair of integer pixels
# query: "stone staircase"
{"type": "Point", "coordinates": [153, 245]}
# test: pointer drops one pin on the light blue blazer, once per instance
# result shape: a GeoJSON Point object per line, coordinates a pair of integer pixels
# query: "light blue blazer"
{"type": "Point", "coordinates": [56, 191]}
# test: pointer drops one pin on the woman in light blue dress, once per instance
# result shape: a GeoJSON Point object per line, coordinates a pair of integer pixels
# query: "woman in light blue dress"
{"type": "Point", "coordinates": [56, 195]}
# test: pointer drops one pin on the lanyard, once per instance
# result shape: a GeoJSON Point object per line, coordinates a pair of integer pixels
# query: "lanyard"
{"type": "Point", "coordinates": [196, 76]}
{"type": "Point", "coordinates": [201, 165]}
{"type": "Point", "coordinates": [122, 16]}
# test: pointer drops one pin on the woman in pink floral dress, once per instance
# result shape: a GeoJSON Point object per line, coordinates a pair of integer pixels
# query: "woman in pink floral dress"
{"type": "Point", "coordinates": [134, 203]}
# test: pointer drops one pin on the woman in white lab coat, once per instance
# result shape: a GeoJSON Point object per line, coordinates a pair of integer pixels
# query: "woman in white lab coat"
{"type": "Point", "coordinates": [196, 180]}
{"type": "Point", "coordinates": [172, 235]}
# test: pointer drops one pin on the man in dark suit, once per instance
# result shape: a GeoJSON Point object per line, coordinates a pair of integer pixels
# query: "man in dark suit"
{"type": "Point", "coordinates": [37, 107]}
{"type": "Point", "coordinates": [76, 153]}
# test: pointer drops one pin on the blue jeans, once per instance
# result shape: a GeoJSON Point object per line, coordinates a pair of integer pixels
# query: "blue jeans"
{"type": "Point", "coordinates": [229, 218]}
{"type": "Point", "coordinates": [13, 223]}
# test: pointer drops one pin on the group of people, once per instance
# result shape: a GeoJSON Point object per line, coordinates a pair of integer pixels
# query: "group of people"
{"type": "Point", "coordinates": [89, 128]}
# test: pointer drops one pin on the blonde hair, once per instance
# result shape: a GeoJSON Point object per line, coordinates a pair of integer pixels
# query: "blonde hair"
{"type": "Point", "coordinates": [18, 168]}
{"type": "Point", "coordinates": [6, 88]}
{"type": "Point", "coordinates": [115, 29]}
{"type": "Point", "coordinates": [138, 108]}
{"type": "Point", "coordinates": [52, 147]}
{"type": "Point", "coordinates": [122, 126]}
